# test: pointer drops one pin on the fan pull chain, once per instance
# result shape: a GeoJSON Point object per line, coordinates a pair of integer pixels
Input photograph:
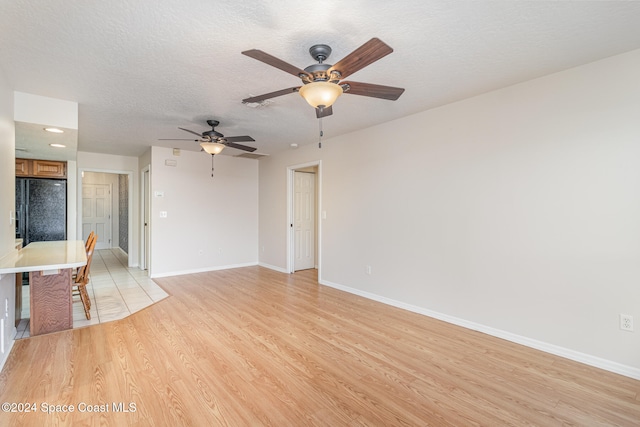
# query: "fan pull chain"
{"type": "Point", "coordinates": [320, 139]}
{"type": "Point", "coordinates": [212, 166]}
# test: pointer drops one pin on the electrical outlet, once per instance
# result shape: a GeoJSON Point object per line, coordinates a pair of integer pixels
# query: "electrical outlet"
{"type": "Point", "coordinates": [367, 269]}
{"type": "Point", "coordinates": [626, 322]}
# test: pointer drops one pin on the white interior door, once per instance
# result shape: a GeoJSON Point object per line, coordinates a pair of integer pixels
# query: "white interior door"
{"type": "Point", "coordinates": [96, 213]}
{"type": "Point", "coordinates": [304, 220]}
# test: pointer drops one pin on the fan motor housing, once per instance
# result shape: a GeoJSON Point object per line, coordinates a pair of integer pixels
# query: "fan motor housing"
{"type": "Point", "coordinates": [320, 73]}
{"type": "Point", "coordinates": [212, 133]}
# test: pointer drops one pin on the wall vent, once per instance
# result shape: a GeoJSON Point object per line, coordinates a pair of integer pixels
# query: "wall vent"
{"type": "Point", "coordinates": [251, 155]}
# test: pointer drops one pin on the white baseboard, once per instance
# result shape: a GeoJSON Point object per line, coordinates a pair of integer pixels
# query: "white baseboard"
{"type": "Point", "coordinates": [201, 270]}
{"type": "Point", "coordinates": [587, 359]}
{"type": "Point", "coordinates": [126, 256]}
{"type": "Point", "coordinates": [273, 267]}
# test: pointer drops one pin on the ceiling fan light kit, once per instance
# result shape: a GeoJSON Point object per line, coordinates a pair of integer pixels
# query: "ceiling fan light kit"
{"type": "Point", "coordinates": [212, 147]}
{"type": "Point", "coordinates": [321, 82]}
{"type": "Point", "coordinates": [213, 142]}
{"type": "Point", "coordinates": [215, 139]}
{"type": "Point", "coordinates": [320, 94]}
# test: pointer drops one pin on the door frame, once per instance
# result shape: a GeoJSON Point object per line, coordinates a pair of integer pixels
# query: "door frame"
{"type": "Point", "coordinates": [145, 216]}
{"type": "Point", "coordinates": [290, 214]}
{"type": "Point", "coordinates": [131, 260]}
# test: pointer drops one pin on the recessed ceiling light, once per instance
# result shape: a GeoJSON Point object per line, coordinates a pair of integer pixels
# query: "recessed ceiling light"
{"type": "Point", "coordinates": [54, 130]}
{"type": "Point", "coordinates": [58, 145]}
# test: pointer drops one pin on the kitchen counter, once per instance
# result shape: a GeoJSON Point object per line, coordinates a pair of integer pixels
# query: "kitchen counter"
{"type": "Point", "coordinates": [45, 256]}
{"type": "Point", "coordinates": [50, 266]}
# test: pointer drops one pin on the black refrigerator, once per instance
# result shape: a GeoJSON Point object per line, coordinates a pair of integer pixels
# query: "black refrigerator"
{"type": "Point", "coordinates": [41, 209]}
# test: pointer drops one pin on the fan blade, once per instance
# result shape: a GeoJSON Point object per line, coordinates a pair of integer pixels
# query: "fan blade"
{"type": "Point", "coordinates": [190, 131]}
{"type": "Point", "coordinates": [240, 147]}
{"type": "Point", "coordinates": [374, 91]}
{"type": "Point", "coordinates": [167, 139]}
{"type": "Point", "coordinates": [366, 54]}
{"type": "Point", "coordinates": [271, 95]}
{"type": "Point", "coordinates": [275, 62]}
{"type": "Point", "coordinates": [244, 138]}
{"type": "Point", "coordinates": [324, 112]}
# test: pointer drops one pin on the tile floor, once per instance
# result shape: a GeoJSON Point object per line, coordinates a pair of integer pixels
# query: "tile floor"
{"type": "Point", "coordinates": [116, 291]}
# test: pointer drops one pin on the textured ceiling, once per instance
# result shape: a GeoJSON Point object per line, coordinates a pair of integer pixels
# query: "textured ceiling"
{"type": "Point", "coordinates": [141, 69]}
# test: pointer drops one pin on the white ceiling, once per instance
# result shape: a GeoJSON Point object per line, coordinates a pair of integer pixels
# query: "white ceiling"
{"type": "Point", "coordinates": [140, 69]}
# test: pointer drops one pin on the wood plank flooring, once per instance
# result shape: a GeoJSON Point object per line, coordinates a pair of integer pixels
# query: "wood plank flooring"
{"type": "Point", "coordinates": [253, 347]}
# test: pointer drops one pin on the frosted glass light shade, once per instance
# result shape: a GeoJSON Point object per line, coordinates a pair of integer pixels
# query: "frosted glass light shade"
{"type": "Point", "coordinates": [212, 147]}
{"type": "Point", "coordinates": [321, 93]}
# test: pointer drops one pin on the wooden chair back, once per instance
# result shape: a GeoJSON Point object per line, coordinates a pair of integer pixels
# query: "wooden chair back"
{"type": "Point", "coordinates": [90, 238]}
{"type": "Point", "coordinates": [83, 272]}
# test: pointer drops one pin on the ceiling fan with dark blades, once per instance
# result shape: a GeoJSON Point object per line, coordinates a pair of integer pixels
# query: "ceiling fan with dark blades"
{"type": "Point", "coordinates": [322, 82]}
{"type": "Point", "coordinates": [214, 137]}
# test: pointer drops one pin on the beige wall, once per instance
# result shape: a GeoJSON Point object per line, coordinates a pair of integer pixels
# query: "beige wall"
{"type": "Point", "coordinates": [514, 212]}
{"type": "Point", "coordinates": [212, 222]}
{"type": "Point", "coordinates": [7, 204]}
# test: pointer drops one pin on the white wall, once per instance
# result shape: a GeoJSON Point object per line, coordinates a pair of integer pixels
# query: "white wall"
{"type": "Point", "coordinates": [106, 163]}
{"type": "Point", "coordinates": [7, 204]}
{"type": "Point", "coordinates": [31, 108]}
{"type": "Point", "coordinates": [211, 223]}
{"type": "Point", "coordinates": [515, 212]}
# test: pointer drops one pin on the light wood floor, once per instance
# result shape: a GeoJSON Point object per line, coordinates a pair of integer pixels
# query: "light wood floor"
{"type": "Point", "coordinates": [253, 347]}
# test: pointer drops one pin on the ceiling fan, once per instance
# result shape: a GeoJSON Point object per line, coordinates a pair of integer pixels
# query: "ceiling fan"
{"type": "Point", "coordinates": [322, 82]}
{"type": "Point", "coordinates": [213, 142]}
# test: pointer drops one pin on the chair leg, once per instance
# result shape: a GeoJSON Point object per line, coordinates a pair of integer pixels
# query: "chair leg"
{"type": "Point", "coordinates": [84, 288]}
{"type": "Point", "coordinates": [86, 302]}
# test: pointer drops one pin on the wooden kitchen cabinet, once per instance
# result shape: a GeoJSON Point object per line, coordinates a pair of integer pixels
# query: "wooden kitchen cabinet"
{"type": "Point", "coordinates": [41, 168]}
{"type": "Point", "coordinates": [22, 167]}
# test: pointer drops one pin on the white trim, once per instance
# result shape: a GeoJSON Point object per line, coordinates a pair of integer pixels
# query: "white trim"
{"type": "Point", "coordinates": [587, 359]}
{"type": "Point", "coordinates": [124, 254]}
{"type": "Point", "coordinates": [145, 202]}
{"type": "Point", "coordinates": [203, 270]}
{"type": "Point", "coordinates": [273, 267]}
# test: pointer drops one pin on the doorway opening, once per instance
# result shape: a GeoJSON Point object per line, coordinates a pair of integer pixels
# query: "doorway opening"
{"type": "Point", "coordinates": [304, 184]}
{"type": "Point", "coordinates": [106, 206]}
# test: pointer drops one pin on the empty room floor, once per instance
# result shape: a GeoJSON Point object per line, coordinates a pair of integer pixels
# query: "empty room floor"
{"type": "Point", "coordinates": [255, 347]}
{"type": "Point", "coordinates": [116, 291]}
